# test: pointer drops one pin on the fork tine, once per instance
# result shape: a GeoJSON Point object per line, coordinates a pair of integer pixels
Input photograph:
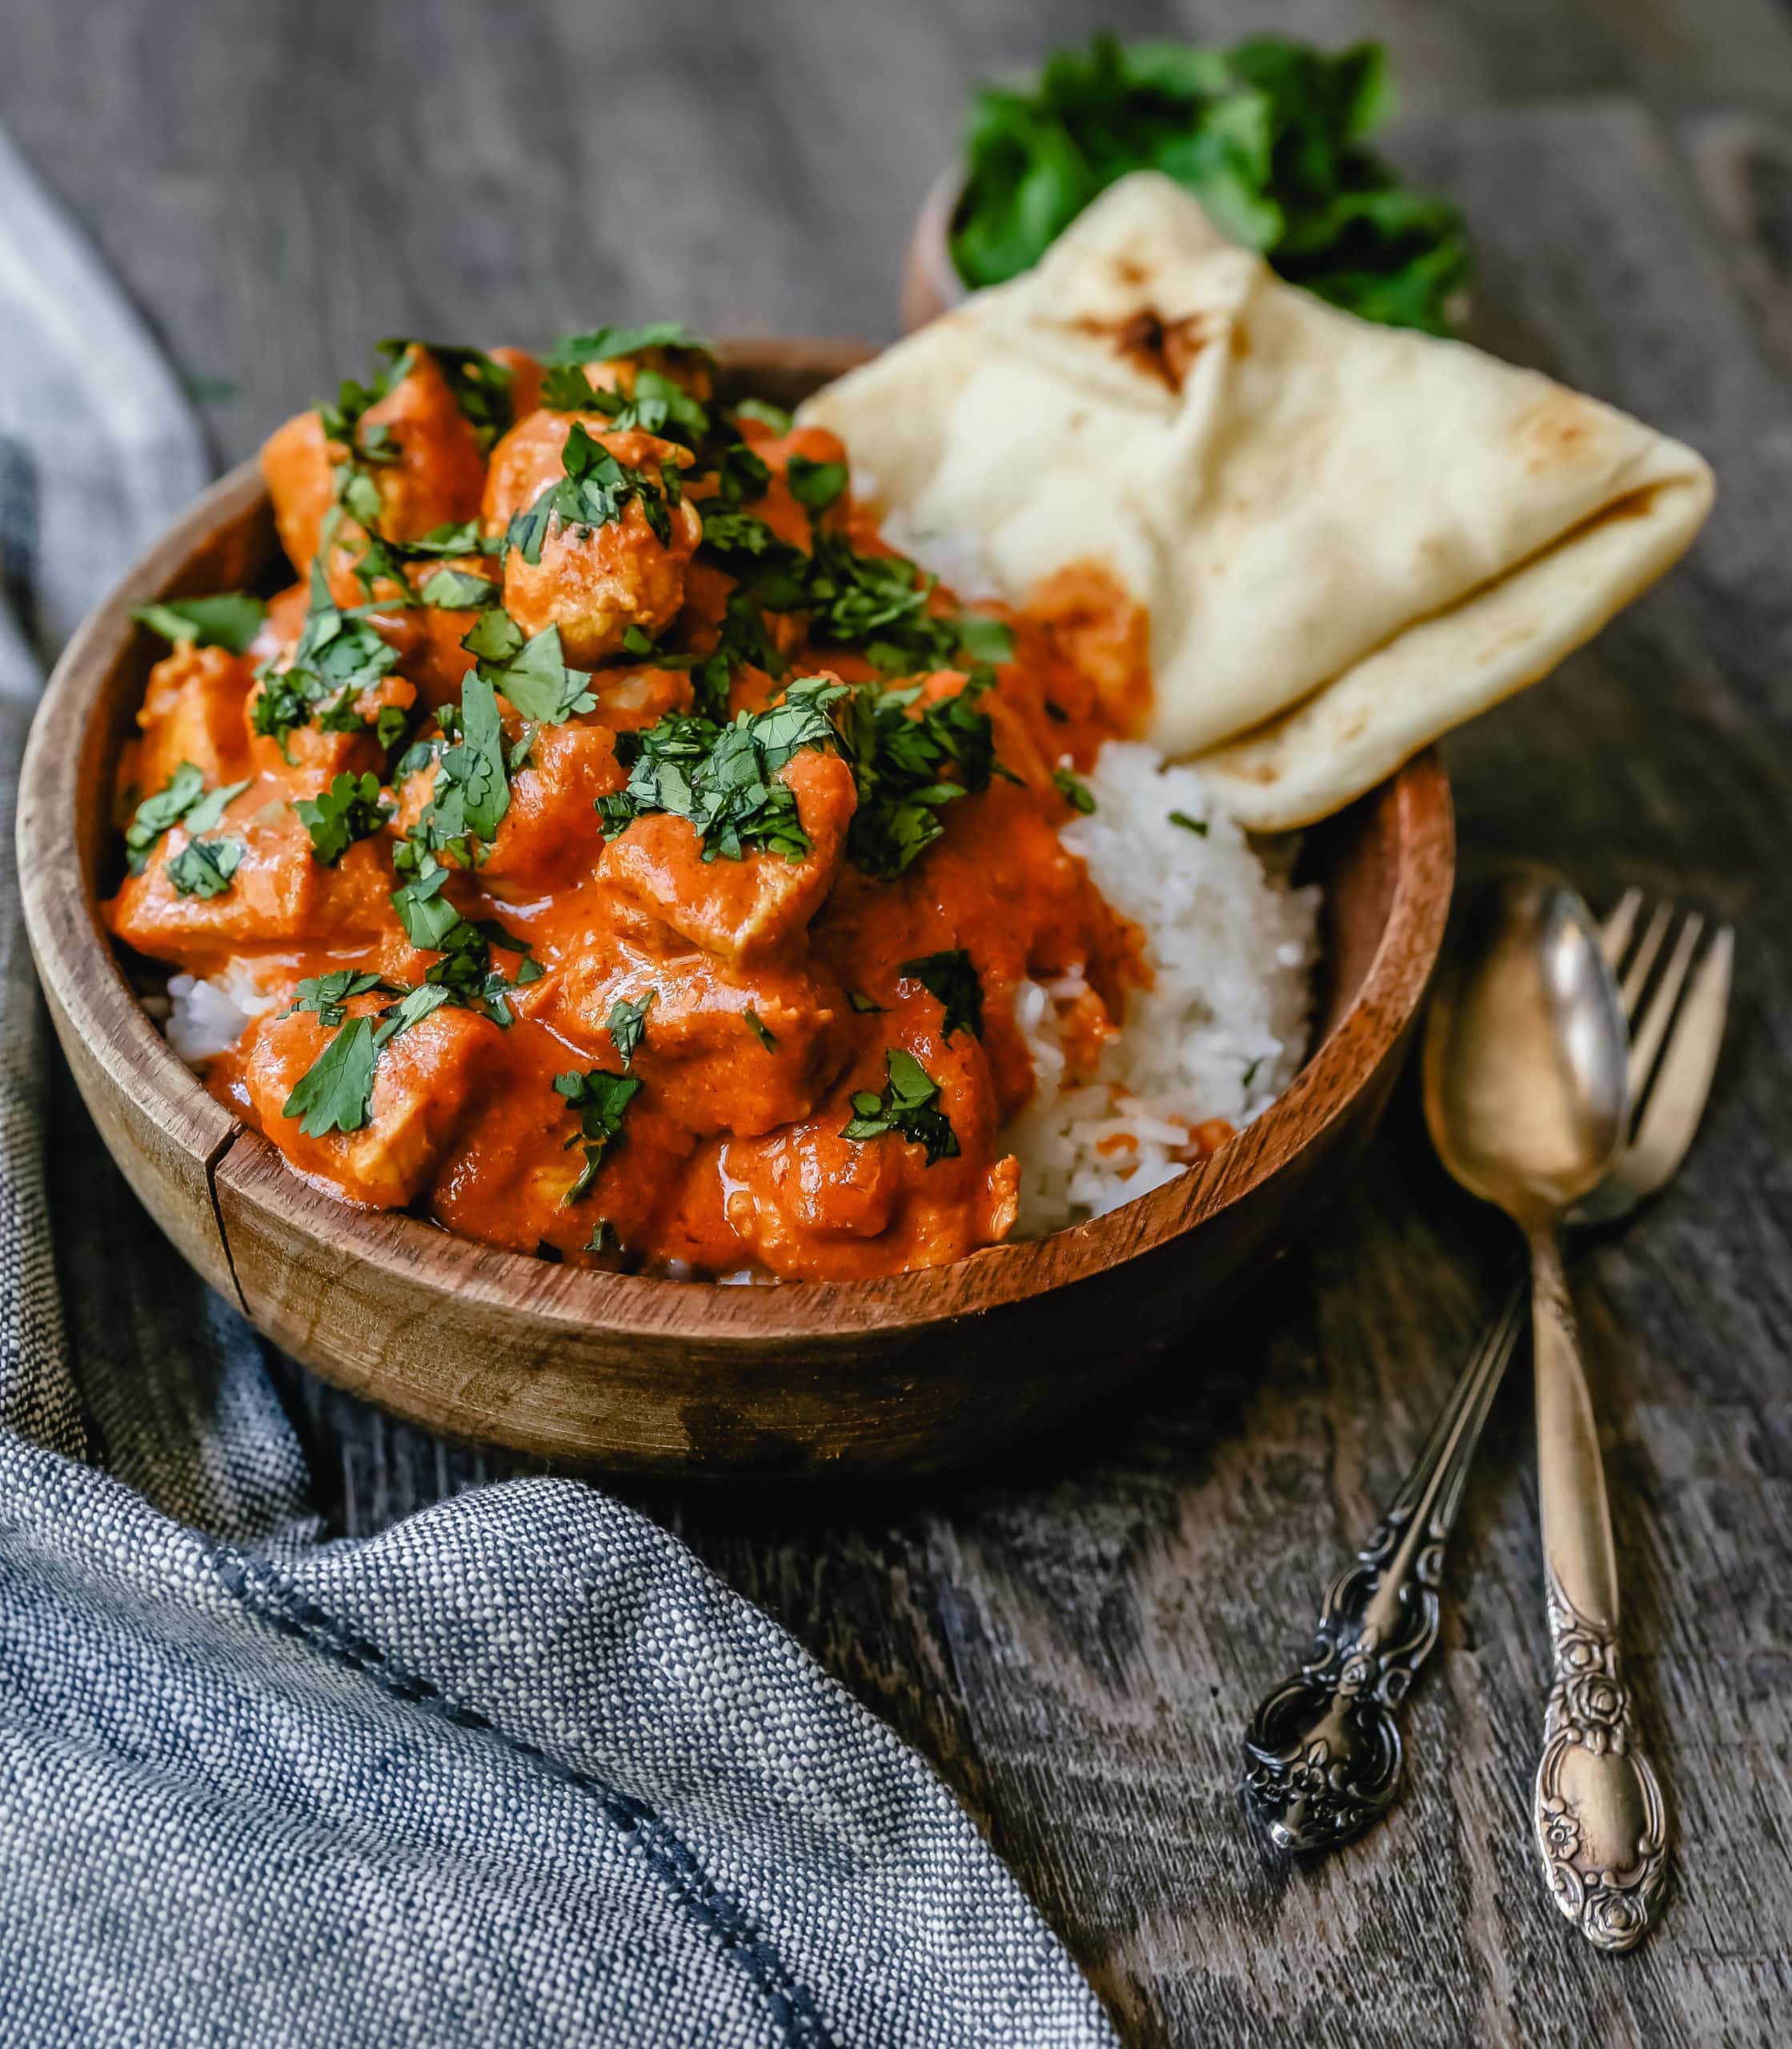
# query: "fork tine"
{"type": "Point", "coordinates": [1645, 1041]}
{"type": "Point", "coordinates": [1683, 1080]}
{"type": "Point", "coordinates": [1636, 978]}
{"type": "Point", "coordinates": [1615, 934]}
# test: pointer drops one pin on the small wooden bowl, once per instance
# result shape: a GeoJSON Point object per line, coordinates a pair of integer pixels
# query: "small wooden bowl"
{"type": "Point", "coordinates": [906, 1376]}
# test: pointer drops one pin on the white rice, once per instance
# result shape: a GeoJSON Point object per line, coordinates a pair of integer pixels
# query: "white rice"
{"type": "Point", "coordinates": [208, 1017]}
{"type": "Point", "coordinates": [1219, 1034]}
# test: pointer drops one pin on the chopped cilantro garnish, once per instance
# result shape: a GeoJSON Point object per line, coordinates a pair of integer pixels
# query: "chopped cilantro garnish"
{"type": "Point", "coordinates": [337, 656]}
{"type": "Point", "coordinates": [459, 590]}
{"type": "Point", "coordinates": [816, 485]}
{"type": "Point", "coordinates": [325, 995]}
{"type": "Point", "coordinates": [857, 1000]}
{"type": "Point", "coordinates": [603, 1237]}
{"type": "Point", "coordinates": [985, 640]}
{"type": "Point", "coordinates": [908, 1105]}
{"type": "Point", "coordinates": [595, 489]}
{"type": "Point", "coordinates": [182, 800]}
{"type": "Point", "coordinates": [335, 1092]}
{"type": "Point", "coordinates": [626, 1025]}
{"type": "Point", "coordinates": [349, 810]}
{"type": "Point", "coordinates": [1195, 825]}
{"type": "Point", "coordinates": [230, 620]}
{"type": "Point", "coordinates": [607, 344]}
{"type": "Point", "coordinates": [951, 977]}
{"type": "Point", "coordinates": [533, 673]}
{"type": "Point", "coordinates": [426, 914]}
{"type": "Point", "coordinates": [203, 868]}
{"type": "Point", "coordinates": [901, 764]}
{"type": "Point", "coordinates": [600, 1098]}
{"type": "Point", "coordinates": [761, 1030]}
{"type": "Point", "coordinates": [724, 778]}
{"type": "Point", "coordinates": [471, 793]}
{"type": "Point", "coordinates": [774, 417]}
{"type": "Point", "coordinates": [1078, 794]}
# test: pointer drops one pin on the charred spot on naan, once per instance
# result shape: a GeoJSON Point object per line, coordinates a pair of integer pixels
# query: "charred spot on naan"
{"type": "Point", "coordinates": [1163, 349]}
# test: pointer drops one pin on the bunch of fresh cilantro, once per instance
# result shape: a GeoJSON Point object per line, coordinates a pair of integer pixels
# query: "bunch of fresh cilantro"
{"type": "Point", "coordinates": [1268, 136]}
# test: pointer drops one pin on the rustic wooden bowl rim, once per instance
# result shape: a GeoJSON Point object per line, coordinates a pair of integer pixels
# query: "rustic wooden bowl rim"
{"type": "Point", "coordinates": [75, 951]}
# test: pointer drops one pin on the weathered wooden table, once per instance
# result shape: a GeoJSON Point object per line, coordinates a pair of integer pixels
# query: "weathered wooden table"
{"type": "Point", "coordinates": [1076, 1642]}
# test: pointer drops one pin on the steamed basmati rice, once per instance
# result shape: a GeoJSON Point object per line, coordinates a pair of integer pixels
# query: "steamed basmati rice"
{"type": "Point", "coordinates": [1219, 1034]}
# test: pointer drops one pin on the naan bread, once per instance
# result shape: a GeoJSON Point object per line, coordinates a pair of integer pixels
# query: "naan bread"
{"type": "Point", "coordinates": [1350, 538]}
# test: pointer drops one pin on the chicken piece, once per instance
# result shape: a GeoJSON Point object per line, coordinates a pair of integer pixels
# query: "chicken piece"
{"type": "Point", "coordinates": [720, 1051]}
{"type": "Point", "coordinates": [317, 753]}
{"type": "Point", "coordinates": [629, 699]}
{"type": "Point", "coordinates": [277, 894]}
{"type": "Point", "coordinates": [192, 711]}
{"type": "Point", "coordinates": [812, 1204]}
{"type": "Point", "coordinates": [550, 836]}
{"type": "Point", "coordinates": [423, 1082]}
{"type": "Point", "coordinates": [594, 583]}
{"type": "Point", "coordinates": [434, 477]}
{"type": "Point", "coordinates": [738, 910]}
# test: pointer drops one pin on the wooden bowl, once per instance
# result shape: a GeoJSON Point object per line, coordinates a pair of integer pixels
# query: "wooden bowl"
{"type": "Point", "coordinates": [905, 1376]}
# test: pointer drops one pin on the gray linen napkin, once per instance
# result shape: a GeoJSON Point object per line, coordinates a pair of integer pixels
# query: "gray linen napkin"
{"type": "Point", "coordinates": [517, 1771]}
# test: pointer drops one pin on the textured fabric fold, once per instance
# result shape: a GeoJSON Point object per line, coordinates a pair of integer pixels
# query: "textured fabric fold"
{"type": "Point", "coordinates": [517, 1771]}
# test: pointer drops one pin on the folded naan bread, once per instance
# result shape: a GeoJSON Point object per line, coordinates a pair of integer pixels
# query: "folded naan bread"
{"type": "Point", "coordinates": [1350, 538]}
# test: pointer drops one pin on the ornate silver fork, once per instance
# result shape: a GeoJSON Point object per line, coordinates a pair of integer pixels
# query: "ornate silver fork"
{"type": "Point", "coordinates": [1322, 1753]}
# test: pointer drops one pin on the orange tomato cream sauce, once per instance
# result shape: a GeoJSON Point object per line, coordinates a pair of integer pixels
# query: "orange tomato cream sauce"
{"type": "Point", "coordinates": [633, 860]}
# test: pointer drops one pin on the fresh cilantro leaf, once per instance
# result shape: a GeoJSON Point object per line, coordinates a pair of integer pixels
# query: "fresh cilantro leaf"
{"type": "Point", "coordinates": [203, 868]}
{"type": "Point", "coordinates": [603, 1237]}
{"type": "Point", "coordinates": [1195, 825]}
{"type": "Point", "coordinates": [609, 344]}
{"type": "Point", "coordinates": [768, 416]}
{"type": "Point", "coordinates": [952, 978]}
{"type": "Point", "coordinates": [471, 792]}
{"type": "Point", "coordinates": [180, 800]}
{"type": "Point", "coordinates": [741, 476]}
{"type": "Point", "coordinates": [335, 1092]}
{"type": "Point", "coordinates": [350, 809]}
{"type": "Point", "coordinates": [761, 1030]}
{"type": "Point", "coordinates": [458, 590]}
{"type": "Point", "coordinates": [985, 640]}
{"type": "Point", "coordinates": [337, 656]}
{"type": "Point", "coordinates": [724, 778]}
{"type": "Point", "coordinates": [601, 1099]}
{"type": "Point", "coordinates": [858, 1001]}
{"type": "Point", "coordinates": [626, 1025]}
{"type": "Point", "coordinates": [907, 1106]}
{"type": "Point", "coordinates": [426, 914]}
{"type": "Point", "coordinates": [533, 673]}
{"type": "Point", "coordinates": [230, 620]}
{"type": "Point", "coordinates": [204, 816]}
{"type": "Point", "coordinates": [326, 994]}
{"type": "Point", "coordinates": [565, 388]}
{"type": "Point", "coordinates": [901, 764]}
{"type": "Point", "coordinates": [816, 485]}
{"type": "Point", "coordinates": [596, 488]}
{"type": "Point", "coordinates": [1078, 794]}
{"type": "Point", "coordinates": [1268, 135]}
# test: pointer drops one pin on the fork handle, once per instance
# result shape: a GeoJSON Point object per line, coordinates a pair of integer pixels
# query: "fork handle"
{"type": "Point", "coordinates": [1601, 1828]}
{"type": "Point", "coordinates": [1322, 1753]}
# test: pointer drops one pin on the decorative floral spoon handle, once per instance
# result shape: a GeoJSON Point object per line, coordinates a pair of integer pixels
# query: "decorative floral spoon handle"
{"type": "Point", "coordinates": [1601, 1824]}
{"type": "Point", "coordinates": [1322, 1755]}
